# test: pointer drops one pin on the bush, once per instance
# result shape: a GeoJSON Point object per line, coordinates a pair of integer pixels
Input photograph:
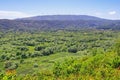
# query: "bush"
{"type": "Point", "coordinates": [7, 64]}
{"type": "Point", "coordinates": [72, 50]}
{"type": "Point", "coordinates": [68, 67]}
{"type": "Point", "coordinates": [47, 51]}
{"type": "Point", "coordinates": [38, 48]}
{"type": "Point", "coordinates": [35, 65]}
{"type": "Point", "coordinates": [23, 48]}
{"type": "Point", "coordinates": [21, 61]}
{"type": "Point", "coordinates": [10, 65]}
{"type": "Point", "coordinates": [116, 62]}
{"type": "Point", "coordinates": [117, 48]}
{"type": "Point", "coordinates": [29, 43]}
{"type": "Point", "coordinates": [18, 53]}
{"type": "Point", "coordinates": [3, 57]}
{"type": "Point", "coordinates": [36, 54]}
{"type": "Point", "coordinates": [23, 56]}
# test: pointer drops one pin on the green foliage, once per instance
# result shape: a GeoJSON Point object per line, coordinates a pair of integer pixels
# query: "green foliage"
{"type": "Point", "coordinates": [35, 65]}
{"type": "Point", "coordinates": [68, 67]}
{"type": "Point", "coordinates": [28, 43]}
{"type": "Point", "coordinates": [10, 65]}
{"type": "Point", "coordinates": [42, 55]}
{"type": "Point", "coordinates": [38, 48]}
{"type": "Point", "coordinates": [117, 47]}
{"type": "Point", "coordinates": [47, 51]}
{"type": "Point", "coordinates": [116, 62]}
{"type": "Point", "coordinates": [3, 56]}
{"type": "Point", "coordinates": [23, 48]}
{"type": "Point", "coordinates": [96, 67]}
{"type": "Point", "coordinates": [23, 56]}
{"type": "Point", "coordinates": [72, 49]}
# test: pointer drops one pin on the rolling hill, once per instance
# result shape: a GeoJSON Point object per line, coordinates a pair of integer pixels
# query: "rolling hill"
{"type": "Point", "coordinates": [55, 22]}
{"type": "Point", "coordinates": [63, 17]}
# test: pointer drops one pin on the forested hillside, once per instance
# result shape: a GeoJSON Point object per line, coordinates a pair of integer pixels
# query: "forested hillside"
{"type": "Point", "coordinates": [54, 22]}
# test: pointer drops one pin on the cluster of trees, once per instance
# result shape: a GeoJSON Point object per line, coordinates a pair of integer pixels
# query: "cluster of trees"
{"type": "Point", "coordinates": [18, 47]}
{"type": "Point", "coordinates": [101, 66]}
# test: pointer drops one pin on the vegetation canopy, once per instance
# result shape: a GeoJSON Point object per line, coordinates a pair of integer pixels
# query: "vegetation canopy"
{"type": "Point", "coordinates": [60, 55]}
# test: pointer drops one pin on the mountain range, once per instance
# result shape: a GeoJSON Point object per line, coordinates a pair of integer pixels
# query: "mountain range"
{"type": "Point", "coordinates": [55, 22]}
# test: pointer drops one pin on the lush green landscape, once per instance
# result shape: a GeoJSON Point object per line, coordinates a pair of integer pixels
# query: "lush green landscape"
{"type": "Point", "coordinates": [88, 54]}
{"type": "Point", "coordinates": [59, 40]}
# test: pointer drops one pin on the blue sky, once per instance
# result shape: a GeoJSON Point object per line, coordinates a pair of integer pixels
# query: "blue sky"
{"type": "Point", "coordinates": [108, 9]}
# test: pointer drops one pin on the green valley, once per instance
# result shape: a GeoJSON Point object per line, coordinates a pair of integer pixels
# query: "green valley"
{"type": "Point", "coordinates": [60, 55]}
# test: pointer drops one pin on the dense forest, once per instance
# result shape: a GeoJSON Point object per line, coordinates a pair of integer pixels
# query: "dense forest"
{"type": "Point", "coordinates": [85, 54]}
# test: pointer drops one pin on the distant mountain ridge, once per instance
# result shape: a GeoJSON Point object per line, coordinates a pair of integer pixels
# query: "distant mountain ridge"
{"type": "Point", "coordinates": [63, 17]}
{"type": "Point", "coordinates": [56, 22]}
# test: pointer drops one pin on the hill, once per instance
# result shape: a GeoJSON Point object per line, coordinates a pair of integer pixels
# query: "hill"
{"type": "Point", "coordinates": [56, 22]}
{"type": "Point", "coordinates": [63, 17]}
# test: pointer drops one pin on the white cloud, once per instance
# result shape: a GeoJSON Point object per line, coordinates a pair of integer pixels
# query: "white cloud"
{"type": "Point", "coordinates": [12, 14]}
{"type": "Point", "coordinates": [113, 15]}
{"type": "Point", "coordinates": [112, 12]}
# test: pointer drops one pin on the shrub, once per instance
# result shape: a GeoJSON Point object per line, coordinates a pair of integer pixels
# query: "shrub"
{"type": "Point", "coordinates": [38, 48]}
{"type": "Point", "coordinates": [7, 64]}
{"type": "Point", "coordinates": [47, 51]}
{"type": "Point", "coordinates": [116, 62]}
{"type": "Point", "coordinates": [117, 48]}
{"type": "Point", "coordinates": [18, 53]}
{"type": "Point", "coordinates": [10, 65]}
{"type": "Point", "coordinates": [23, 55]}
{"type": "Point", "coordinates": [35, 54]}
{"type": "Point", "coordinates": [35, 65]}
{"type": "Point", "coordinates": [29, 43]}
{"type": "Point", "coordinates": [3, 57]}
{"type": "Point", "coordinates": [21, 61]}
{"type": "Point", "coordinates": [72, 50]}
{"type": "Point", "coordinates": [23, 48]}
{"type": "Point", "coordinates": [68, 67]}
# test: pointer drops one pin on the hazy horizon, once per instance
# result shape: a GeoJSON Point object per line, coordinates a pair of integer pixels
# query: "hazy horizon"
{"type": "Point", "coordinates": [12, 9]}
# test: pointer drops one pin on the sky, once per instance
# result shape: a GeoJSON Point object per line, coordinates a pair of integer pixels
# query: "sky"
{"type": "Point", "coordinates": [11, 9]}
